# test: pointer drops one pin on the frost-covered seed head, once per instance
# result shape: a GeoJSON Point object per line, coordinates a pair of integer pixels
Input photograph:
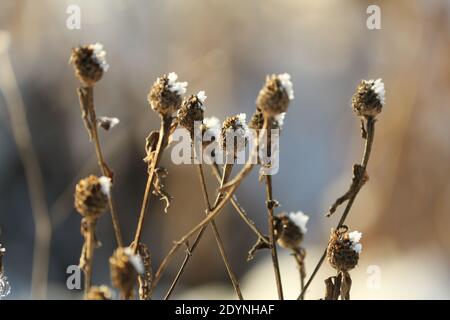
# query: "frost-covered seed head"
{"type": "Point", "coordinates": [257, 121]}
{"type": "Point", "coordinates": [89, 63]}
{"type": "Point", "coordinates": [290, 229]}
{"type": "Point", "coordinates": [125, 267]}
{"type": "Point", "coordinates": [91, 196]}
{"type": "Point", "coordinates": [344, 249]}
{"type": "Point", "coordinates": [192, 111]}
{"type": "Point", "coordinates": [165, 96]}
{"type": "Point", "coordinates": [275, 96]}
{"type": "Point", "coordinates": [369, 98]}
{"type": "Point", "coordinates": [234, 134]}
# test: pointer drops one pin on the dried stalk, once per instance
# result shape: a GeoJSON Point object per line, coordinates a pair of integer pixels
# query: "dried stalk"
{"type": "Point", "coordinates": [87, 253]}
{"type": "Point", "coordinates": [33, 175]}
{"type": "Point", "coordinates": [234, 281]}
{"type": "Point", "coordinates": [86, 98]}
{"type": "Point", "coordinates": [239, 209]}
{"type": "Point", "coordinates": [271, 203]}
{"type": "Point", "coordinates": [154, 158]}
{"type": "Point", "coordinates": [369, 134]}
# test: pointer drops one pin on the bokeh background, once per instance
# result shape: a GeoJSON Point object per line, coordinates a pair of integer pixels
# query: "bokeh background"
{"type": "Point", "coordinates": [226, 48]}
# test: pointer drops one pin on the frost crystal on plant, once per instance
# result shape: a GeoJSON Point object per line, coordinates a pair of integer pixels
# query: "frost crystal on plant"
{"type": "Point", "coordinates": [174, 86]}
{"type": "Point", "coordinates": [286, 82]}
{"type": "Point", "coordinates": [354, 238]}
{"type": "Point", "coordinates": [280, 120]}
{"type": "Point", "coordinates": [242, 117]}
{"type": "Point", "coordinates": [135, 260]}
{"type": "Point", "coordinates": [105, 184]}
{"type": "Point", "coordinates": [99, 55]}
{"type": "Point", "coordinates": [378, 88]}
{"type": "Point", "coordinates": [300, 219]}
{"type": "Point", "coordinates": [212, 127]}
{"type": "Point", "coordinates": [108, 123]}
{"type": "Point", "coordinates": [201, 96]}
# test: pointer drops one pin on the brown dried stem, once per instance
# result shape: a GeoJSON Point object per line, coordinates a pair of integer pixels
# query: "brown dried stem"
{"type": "Point", "coordinates": [369, 135]}
{"type": "Point", "coordinates": [234, 281]}
{"type": "Point", "coordinates": [154, 159]}
{"type": "Point", "coordinates": [86, 98]}
{"type": "Point", "coordinates": [239, 209]}
{"type": "Point", "coordinates": [228, 193]}
{"type": "Point", "coordinates": [87, 254]}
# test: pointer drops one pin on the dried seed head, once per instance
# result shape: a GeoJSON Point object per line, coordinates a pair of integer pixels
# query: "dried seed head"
{"type": "Point", "coordinates": [257, 121]}
{"type": "Point", "coordinates": [369, 99]}
{"type": "Point", "coordinates": [344, 249]}
{"type": "Point", "coordinates": [165, 95]}
{"type": "Point", "coordinates": [290, 229]}
{"type": "Point", "coordinates": [89, 63]}
{"type": "Point", "coordinates": [234, 132]}
{"type": "Point", "coordinates": [125, 268]}
{"type": "Point", "coordinates": [91, 196]}
{"type": "Point", "coordinates": [191, 111]}
{"type": "Point", "coordinates": [99, 293]}
{"type": "Point", "coordinates": [276, 94]}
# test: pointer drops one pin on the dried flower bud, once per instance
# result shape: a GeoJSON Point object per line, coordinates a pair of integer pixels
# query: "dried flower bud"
{"type": "Point", "coordinates": [165, 95]}
{"type": "Point", "coordinates": [125, 268]}
{"type": "Point", "coordinates": [344, 249]}
{"type": "Point", "coordinates": [89, 63]}
{"type": "Point", "coordinates": [191, 111]}
{"type": "Point", "coordinates": [369, 99]}
{"type": "Point", "coordinates": [99, 293]}
{"type": "Point", "coordinates": [290, 229]}
{"type": "Point", "coordinates": [234, 132]}
{"type": "Point", "coordinates": [257, 121]}
{"type": "Point", "coordinates": [91, 196]}
{"type": "Point", "coordinates": [276, 94]}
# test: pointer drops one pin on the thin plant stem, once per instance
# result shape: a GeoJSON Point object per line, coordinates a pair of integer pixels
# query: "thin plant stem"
{"type": "Point", "coordinates": [183, 240]}
{"type": "Point", "coordinates": [219, 241]}
{"type": "Point", "coordinates": [370, 130]}
{"type": "Point", "coordinates": [164, 134]}
{"type": "Point", "coordinates": [239, 209]}
{"type": "Point", "coordinates": [273, 246]}
{"type": "Point", "coordinates": [89, 243]}
{"type": "Point", "coordinates": [21, 133]}
{"type": "Point", "coordinates": [228, 194]}
{"type": "Point", "coordinates": [86, 97]}
{"type": "Point", "coordinates": [217, 236]}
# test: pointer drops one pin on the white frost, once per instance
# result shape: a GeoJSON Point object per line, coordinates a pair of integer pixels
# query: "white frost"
{"type": "Point", "coordinates": [135, 260]}
{"type": "Point", "coordinates": [378, 87]}
{"type": "Point", "coordinates": [201, 96]}
{"type": "Point", "coordinates": [99, 55]}
{"type": "Point", "coordinates": [174, 86]}
{"type": "Point", "coordinates": [300, 219]}
{"type": "Point", "coordinates": [286, 82]}
{"type": "Point", "coordinates": [212, 127]}
{"type": "Point", "coordinates": [242, 117]}
{"type": "Point", "coordinates": [111, 121]}
{"type": "Point", "coordinates": [280, 119]}
{"type": "Point", "coordinates": [105, 184]}
{"type": "Point", "coordinates": [355, 237]}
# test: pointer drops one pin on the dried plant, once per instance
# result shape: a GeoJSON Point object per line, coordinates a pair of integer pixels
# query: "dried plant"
{"type": "Point", "coordinates": [5, 288]}
{"type": "Point", "coordinates": [132, 266]}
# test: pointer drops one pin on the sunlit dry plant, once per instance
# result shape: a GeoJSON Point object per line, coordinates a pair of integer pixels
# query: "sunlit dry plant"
{"type": "Point", "coordinates": [131, 267]}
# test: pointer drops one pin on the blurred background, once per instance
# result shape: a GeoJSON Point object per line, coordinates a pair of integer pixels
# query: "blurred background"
{"type": "Point", "coordinates": [226, 48]}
